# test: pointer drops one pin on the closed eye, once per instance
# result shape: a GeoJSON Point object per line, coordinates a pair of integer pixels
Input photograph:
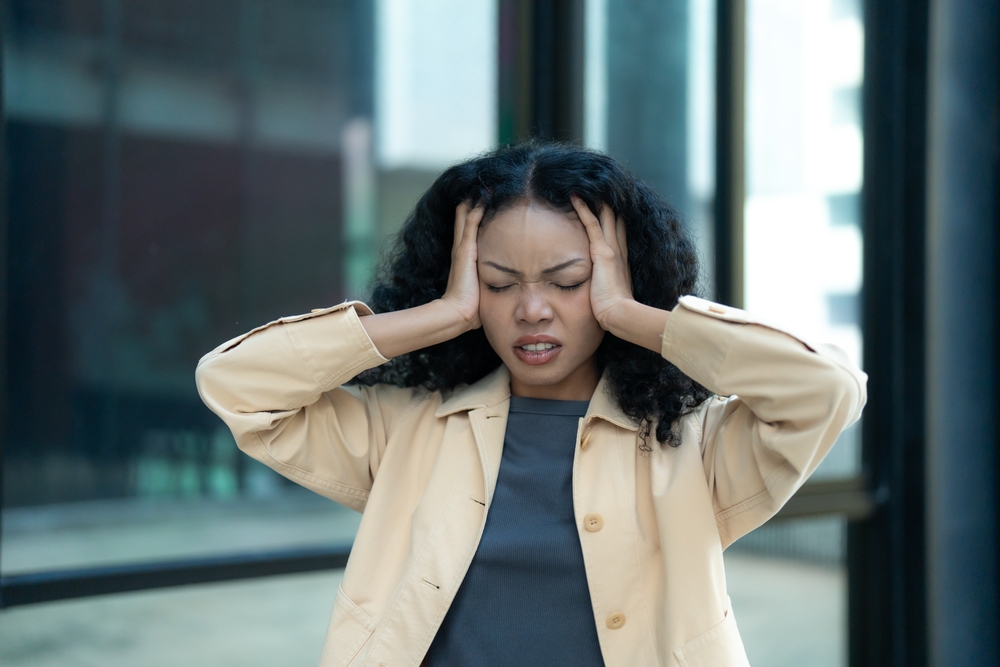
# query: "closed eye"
{"type": "Point", "coordinates": [503, 288]}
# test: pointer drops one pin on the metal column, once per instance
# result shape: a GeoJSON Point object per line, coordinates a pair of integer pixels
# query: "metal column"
{"type": "Point", "coordinates": [962, 313]}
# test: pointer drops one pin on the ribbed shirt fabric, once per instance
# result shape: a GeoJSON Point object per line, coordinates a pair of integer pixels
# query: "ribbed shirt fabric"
{"type": "Point", "coordinates": [525, 599]}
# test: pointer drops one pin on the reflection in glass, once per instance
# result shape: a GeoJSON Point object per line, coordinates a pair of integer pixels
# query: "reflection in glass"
{"type": "Point", "coordinates": [802, 260]}
{"type": "Point", "coordinates": [649, 87]}
{"type": "Point", "coordinates": [180, 173]}
{"type": "Point", "coordinates": [804, 71]}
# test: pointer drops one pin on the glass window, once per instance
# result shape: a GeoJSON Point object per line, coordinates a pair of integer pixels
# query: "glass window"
{"type": "Point", "coordinates": [176, 177]}
{"type": "Point", "coordinates": [649, 100]}
{"type": "Point", "coordinates": [435, 98]}
{"type": "Point", "coordinates": [804, 71]}
{"type": "Point", "coordinates": [179, 173]}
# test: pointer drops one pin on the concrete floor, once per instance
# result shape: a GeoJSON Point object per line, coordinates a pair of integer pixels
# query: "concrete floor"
{"type": "Point", "coordinates": [790, 613]}
{"type": "Point", "coordinates": [276, 621]}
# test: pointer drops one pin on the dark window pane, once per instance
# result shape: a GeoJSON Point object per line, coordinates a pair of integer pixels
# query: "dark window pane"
{"type": "Point", "coordinates": [205, 33]}
{"type": "Point", "coordinates": [182, 171]}
{"type": "Point", "coordinates": [74, 17]}
{"type": "Point", "coordinates": [142, 235]}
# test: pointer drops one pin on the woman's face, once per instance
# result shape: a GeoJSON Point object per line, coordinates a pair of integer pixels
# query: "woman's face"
{"type": "Point", "coordinates": [534, 303]}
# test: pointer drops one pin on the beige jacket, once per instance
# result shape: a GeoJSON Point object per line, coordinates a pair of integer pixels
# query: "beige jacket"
{"type": "Point", "coordinates": [422, 467]}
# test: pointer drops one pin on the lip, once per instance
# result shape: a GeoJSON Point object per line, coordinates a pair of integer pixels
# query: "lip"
{"type": "Point", "coordinates": [541, 356]}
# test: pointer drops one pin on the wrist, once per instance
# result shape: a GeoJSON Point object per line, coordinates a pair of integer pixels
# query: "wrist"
{"type": "Point", "coordinates": [452, 317]}
{"type": "Point", "coordinates": [638, 323]}
{"type": "Point", "coordinates": [615, 317]}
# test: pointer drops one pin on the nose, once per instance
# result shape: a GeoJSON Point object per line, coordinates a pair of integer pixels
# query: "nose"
{"type": "Point", "coordinates": [532, 307]}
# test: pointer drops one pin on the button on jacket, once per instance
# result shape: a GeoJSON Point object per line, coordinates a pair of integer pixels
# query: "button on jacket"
{"type": "Point", "coordinates": [422, 467]}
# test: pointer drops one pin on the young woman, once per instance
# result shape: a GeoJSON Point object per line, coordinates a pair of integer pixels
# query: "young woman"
{"type": "Point", "coordinates": [551, 444]}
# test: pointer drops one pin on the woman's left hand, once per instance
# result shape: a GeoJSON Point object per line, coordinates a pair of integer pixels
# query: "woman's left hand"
{"type": "Point", "coordinates": [611, 282]}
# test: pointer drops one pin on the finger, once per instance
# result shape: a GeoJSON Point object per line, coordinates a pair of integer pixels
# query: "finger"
{"type": "Point", "coordinates": [622, 239]}
{"type": "Point", "coordinates": [461, 215]}
{"type": "Point", "coordinates": [589, 220]}
{"type": "Point", "coordinates": [608, 225]}
{"type": "Point", "coordinates": [623, 246]}
{"type": "Point", "coordinates": [472, 221]}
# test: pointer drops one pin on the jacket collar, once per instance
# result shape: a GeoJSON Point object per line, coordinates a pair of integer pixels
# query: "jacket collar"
{"type": "Point", "coordinates": [488, 392]}
{"type": "Point", "coordinates": [493, 391]}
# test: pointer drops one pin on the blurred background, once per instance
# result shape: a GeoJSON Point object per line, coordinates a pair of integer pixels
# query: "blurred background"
{"type": "Point", "coordinates": [176, 172]}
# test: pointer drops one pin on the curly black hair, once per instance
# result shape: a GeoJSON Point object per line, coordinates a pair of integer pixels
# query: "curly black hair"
{"type": "Point", "coordinates": [662, 261]}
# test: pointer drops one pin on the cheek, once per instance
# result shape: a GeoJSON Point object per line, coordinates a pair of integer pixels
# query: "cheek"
{"type": "Point", "coordinates": [579, 318]}
{"type": "Point", "coordinates": [492, 314]}
{"type": "Point", "coordinates": [579, 310]}
{"type": "Point", "coordinates": [488, 304]}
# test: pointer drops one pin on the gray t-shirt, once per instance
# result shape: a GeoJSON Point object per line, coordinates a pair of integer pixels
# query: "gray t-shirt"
{"type": "Point", "coordinates": [525, 599]}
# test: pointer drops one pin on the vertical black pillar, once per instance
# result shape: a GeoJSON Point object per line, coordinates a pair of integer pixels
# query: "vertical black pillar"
{"type": "Point", "coordinates": [730, 154]}
{"type": "Point", "coordinates": [886, 553]}
{"type": "Point", "coordinates": [962, 354]}
{"type": "Point", "coordinates": [558, 47]}
{"type": "Point", "coordinates": [3, 269]}
{"type": "Point", "coordinates": [541, 70]}
{"type": "Point", "coordinates": [514, 77]}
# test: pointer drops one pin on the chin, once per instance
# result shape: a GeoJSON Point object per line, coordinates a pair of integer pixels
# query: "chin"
{"type": "Point", "coordinates": [536, 376]}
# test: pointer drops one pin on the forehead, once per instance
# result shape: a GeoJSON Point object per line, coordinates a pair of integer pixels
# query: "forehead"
{"type": "Point", "coordinates": [529, 234]}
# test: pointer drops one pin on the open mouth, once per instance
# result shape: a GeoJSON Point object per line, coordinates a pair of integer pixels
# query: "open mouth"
{"type": "Point", "coordinates": [535, 352]}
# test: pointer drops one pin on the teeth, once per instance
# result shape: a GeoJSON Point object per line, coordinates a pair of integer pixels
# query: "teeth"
{"type": "Point", "coordinates": [532, 347]}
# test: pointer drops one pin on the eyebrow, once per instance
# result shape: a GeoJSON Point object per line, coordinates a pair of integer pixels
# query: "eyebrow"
{"type": "Point", "coordinates": [553, 269]}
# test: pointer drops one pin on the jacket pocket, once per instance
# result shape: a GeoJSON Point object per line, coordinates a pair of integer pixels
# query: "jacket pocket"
{"type": "Point", "coordinates": [350, 628]}
{"type": "Point", "coordinates": [719, 647]}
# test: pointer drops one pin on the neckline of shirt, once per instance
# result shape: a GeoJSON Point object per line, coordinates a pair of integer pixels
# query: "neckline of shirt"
{"type": "Point", "coordinates": [547, 406]}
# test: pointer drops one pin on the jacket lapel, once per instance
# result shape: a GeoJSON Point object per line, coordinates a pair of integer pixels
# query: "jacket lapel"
{"type": "Point", "coordinates": [488, 404]}
{"type": "Point", "coordinates": [489, 428]}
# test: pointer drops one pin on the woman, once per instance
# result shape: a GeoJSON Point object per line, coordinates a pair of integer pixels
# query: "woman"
{"type": "Point", "coordinates": [562, 444]}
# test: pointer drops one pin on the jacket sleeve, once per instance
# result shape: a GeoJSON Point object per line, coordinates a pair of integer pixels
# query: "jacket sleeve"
{"type": "Point", "coordinates": [780, 405]}
{"type": "Point", "coordinates": [278, 389]}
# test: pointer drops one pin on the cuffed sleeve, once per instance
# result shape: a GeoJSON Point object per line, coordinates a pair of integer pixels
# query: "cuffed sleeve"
{"type": "Point", "coordinates": [781, 403]}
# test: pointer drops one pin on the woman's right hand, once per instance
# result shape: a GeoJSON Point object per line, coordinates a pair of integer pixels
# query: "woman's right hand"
{"type": "Point", "coordinates": [457, 311]}
{"type": "Point", "coordinates": [462, 292]}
